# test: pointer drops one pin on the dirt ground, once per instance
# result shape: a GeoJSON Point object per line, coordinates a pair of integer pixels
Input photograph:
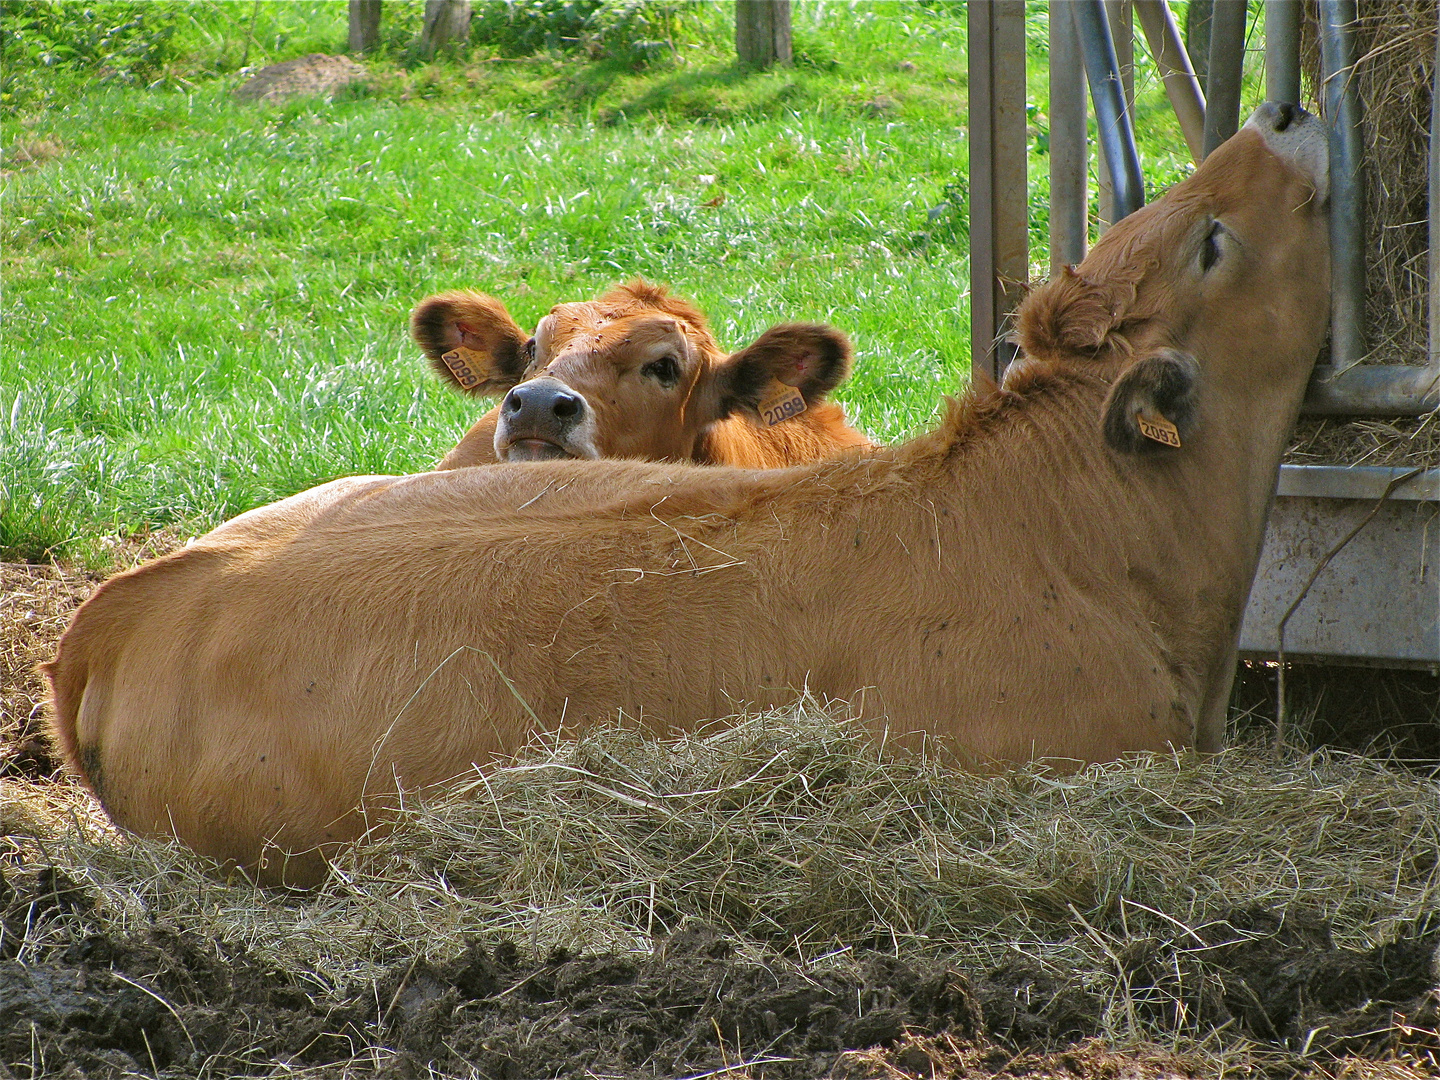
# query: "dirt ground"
{"type": "Point", "coordinates": [81, 1002]}
{"type": "Point", "coordinates": [312, 74]}
{"type": "Point", "coordinates": [175, 1005]}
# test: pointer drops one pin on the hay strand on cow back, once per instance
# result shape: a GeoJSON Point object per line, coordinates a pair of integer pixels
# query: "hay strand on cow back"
{"type": "Point", "coordinates": [794, 833]}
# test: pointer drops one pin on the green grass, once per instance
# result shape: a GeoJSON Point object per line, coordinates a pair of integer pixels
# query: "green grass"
{"type": "Point", "coordinates": [205, 301]}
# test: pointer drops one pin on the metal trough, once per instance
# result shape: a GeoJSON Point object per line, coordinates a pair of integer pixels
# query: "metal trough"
{"type": "Point", "coordinates": [1378, 599]}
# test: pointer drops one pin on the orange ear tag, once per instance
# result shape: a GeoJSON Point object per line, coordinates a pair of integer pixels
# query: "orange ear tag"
{"type": "Point", "coordinates": [460, 362]}
{"type": "Point", "coordinates": [780, 402]}
{"type": "Point", "coordinates": [1154, 426]}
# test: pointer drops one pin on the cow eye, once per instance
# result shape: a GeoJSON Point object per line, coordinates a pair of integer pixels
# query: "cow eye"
{"type": "Point", "coordinates": [1210, 250]}
{"type": "Point", "coordinates": [666, 370]}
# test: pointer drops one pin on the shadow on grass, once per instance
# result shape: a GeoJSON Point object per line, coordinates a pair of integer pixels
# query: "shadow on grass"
{"type": "Point", "coordinates": [714, 93]}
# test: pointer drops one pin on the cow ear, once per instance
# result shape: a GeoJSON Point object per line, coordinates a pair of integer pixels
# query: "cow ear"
{"type": "Point", "coordinates": [1070, 315]}
{"type": "Point", "coordinates": [472, 341]}
{"type": "Point", "coordinates": [1152, 406]}
{"type": "Point", "coordinates": [812, 358]}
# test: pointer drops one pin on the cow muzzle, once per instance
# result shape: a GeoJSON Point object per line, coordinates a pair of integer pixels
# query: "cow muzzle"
{"type": "Point", "coordinates": [1297, 136]}
{"type": "Point", "coordinates": [541, 419]}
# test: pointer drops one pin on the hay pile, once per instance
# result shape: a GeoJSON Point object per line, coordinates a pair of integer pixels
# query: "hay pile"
{"type": "Point", "coordinates": [1141, 886]}
{"type": "Point", "coordinates": [1399, 441]}
{"type": "Point", "coordinates": [1395, 47]}
{"type": "Point", "coordinates": [36, 603]}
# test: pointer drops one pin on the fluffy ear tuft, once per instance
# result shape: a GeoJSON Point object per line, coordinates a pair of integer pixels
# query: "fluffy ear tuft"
{"type": "Point", "coordinates": [1069, 315]}
{"type": "Point", "coordinates": [808, 356]}
{"type": "Point", "coordinates": [472, 341]}
{"type": "Point", "coordinates": [1152, 406]}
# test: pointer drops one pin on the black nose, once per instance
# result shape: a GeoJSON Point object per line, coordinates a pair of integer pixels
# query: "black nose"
{"type": "Point", "coordinates": [1284, 115]}
{"type": "Point", "coordinates": [539, 399]}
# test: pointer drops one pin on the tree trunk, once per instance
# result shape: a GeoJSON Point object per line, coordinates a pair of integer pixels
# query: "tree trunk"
{"type": "Point", "coordinates": [364, 25]}
{"type": "Point", "coordinates": [762, 33]}
{"type": "Point", "coordinates": [445, 21]}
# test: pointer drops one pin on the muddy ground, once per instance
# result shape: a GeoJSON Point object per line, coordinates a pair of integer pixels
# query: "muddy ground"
{"type": "Point", "coordinates": [177, 1004]}
{"type": "Point", "coordinates": [171, 1004]}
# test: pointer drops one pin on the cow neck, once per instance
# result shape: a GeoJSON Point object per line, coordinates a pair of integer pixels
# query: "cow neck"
{"type": "Point", "coordinates": [1206, 505]}
{"type": "Point", "coordinates": [1029, 488]}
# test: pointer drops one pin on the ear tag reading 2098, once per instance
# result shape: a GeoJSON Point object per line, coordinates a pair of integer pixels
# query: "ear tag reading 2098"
{"type": "Point", "coordinates": [459, 362]}
{"type": "Point", "coordinates": [1155, 426]}
{"type": "Point", "coordinates": [780, 402]}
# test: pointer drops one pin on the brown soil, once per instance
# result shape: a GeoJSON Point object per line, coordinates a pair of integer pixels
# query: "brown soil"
{"type": "Point", "coordinates": [316, 73]}
{"type": "Point", "coordinates": [176, 1004]}
{"type": "Point", "coordinates": [29, 154]}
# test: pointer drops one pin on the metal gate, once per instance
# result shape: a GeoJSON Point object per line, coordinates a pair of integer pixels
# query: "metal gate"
{"type": "Point", "coordinates": [1379, 599]}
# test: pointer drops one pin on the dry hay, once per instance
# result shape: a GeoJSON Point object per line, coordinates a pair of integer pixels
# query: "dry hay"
{"type": "Point", "coordinates": [1395, 46]}
{"type": "Point", "coordinates": [1401, 441]}
{"type": "Point", "coordinates": [36, 603]}
{"type": "Point", "coordinates": [316, 73]}
{"type": "Point", "coordinates": [1278, 917]}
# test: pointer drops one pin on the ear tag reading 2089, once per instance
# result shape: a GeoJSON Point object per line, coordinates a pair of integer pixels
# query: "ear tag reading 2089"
{"type": "Point", "coordinates": [459, 362]}
{"type": "Point", "coordinates": [1155, 426]}
{"type": "Point", "coordinates": [780, 402]}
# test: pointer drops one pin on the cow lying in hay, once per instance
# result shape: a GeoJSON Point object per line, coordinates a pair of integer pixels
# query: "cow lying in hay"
{"type": "Point", "coordinates": [1058, 569]}
{"type": "Point", "coordinates": [636, 373]}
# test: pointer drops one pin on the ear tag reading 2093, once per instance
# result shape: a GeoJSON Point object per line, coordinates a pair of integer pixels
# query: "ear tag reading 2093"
{"type": "Point", "coordinates": [780, 402]}
{"type": "Point", "coordinates": [1154, 426]}
{"type": "Point", "coordinates": [459, 362]}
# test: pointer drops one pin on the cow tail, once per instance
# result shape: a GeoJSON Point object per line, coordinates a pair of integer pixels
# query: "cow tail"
{"type": "Point", "coordinates": [67, 677]}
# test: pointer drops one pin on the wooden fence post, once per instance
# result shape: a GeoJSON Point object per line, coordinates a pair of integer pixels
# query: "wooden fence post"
{"type": "Point", "coordinates": [364, 25]}
{"type": "Point", "coordinates": [762, 33]}
{"type": "Point", "coordinates": [999, 235]}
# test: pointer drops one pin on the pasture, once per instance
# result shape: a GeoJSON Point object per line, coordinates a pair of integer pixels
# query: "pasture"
{"type": "Point", "coordinates": [205, 309]}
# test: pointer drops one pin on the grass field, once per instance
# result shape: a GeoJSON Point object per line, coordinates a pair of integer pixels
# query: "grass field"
{"type": "Point", "coordinates": [205, 301]}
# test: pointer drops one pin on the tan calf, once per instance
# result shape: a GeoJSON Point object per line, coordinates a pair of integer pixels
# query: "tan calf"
{"type": "Point", "coordinates": [636, 374]}
{"type": "Point", "coordinates": [1058, 569]}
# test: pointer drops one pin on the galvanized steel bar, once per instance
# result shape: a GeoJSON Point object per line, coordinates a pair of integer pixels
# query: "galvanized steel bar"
{"type": "Point", "coordinates": [1227, 56]}
{"type": "Point", "coordinates": [1121, 20]}
{"type": "Point", "coordinates": [1357, 482]}
{"type": "Point", "coordinates": [1181, 86]}
{"type": "Point", "coordinates": [1112, 119]}
{"type": "Point", "coordinates": [1069, 146]}
{"type": "Point", "coordinates": [1347, 183]}
{"type": "Point", "coordinates": [1373, 390]}
{"type": "Point", "coordinates": [999, 252]}
{"type": "Point", "coordinates": [1282, 50]}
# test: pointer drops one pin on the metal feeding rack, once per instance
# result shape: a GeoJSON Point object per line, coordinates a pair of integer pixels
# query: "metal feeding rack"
{"type": "Point", "coordinates": [1350, 570]}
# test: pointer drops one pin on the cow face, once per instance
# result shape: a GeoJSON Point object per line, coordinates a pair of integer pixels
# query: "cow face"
{"type": "Point", "coordinates": [634, 374]}
{"type": "Point", "coordinates": [1179, 295]}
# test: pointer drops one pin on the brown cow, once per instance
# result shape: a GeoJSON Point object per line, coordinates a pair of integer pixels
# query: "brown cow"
{"type": "Point", "coordinates": [636, 374]}
{"type": "Point", "coordinates": [1059, 569]}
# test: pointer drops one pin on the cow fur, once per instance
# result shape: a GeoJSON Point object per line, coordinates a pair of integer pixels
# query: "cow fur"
{"type": "Point", "coordinates": [1023, 581]}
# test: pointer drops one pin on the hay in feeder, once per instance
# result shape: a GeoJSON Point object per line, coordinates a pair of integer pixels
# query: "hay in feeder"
{"type": "Point", "coordinates": [1395, 50]}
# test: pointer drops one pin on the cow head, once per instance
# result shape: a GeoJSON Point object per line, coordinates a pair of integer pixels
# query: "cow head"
{"type": "Point", "coordinates": [1172, 302]}
{"type": "Point", "coordinates": [635, 373]}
